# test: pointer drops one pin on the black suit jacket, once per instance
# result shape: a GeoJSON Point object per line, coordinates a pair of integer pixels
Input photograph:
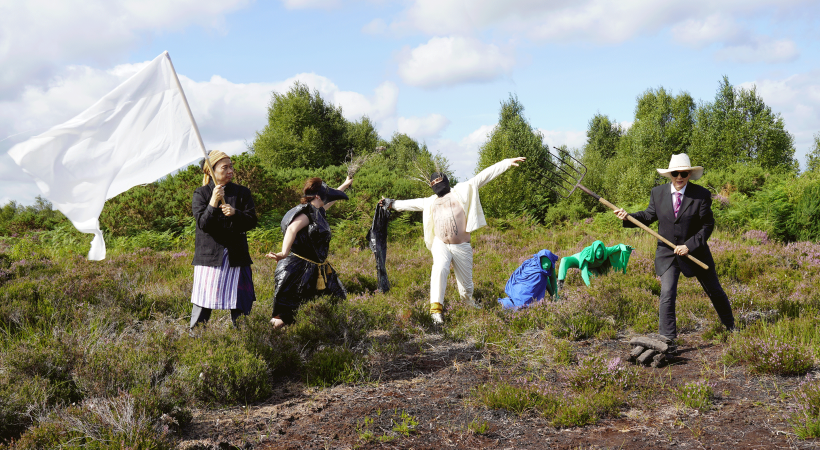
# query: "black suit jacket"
{"type": "Point", "coordinates": [215, 232]}
{"type": "Point", "coordinates": [692, 227]}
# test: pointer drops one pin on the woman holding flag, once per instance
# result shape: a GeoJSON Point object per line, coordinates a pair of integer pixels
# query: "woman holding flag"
{"type": "Point", "coordinates": [224, 212]}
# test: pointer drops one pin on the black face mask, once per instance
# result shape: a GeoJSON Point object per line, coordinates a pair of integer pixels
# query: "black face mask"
{"type": "Point", "coordinates": [330, 195]}
{"type": "Point", "coordinates": [441, 188]}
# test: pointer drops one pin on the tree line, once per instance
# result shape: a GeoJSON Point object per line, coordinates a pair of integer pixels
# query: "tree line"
{"type": "Point", "coordinates": [742, 143]}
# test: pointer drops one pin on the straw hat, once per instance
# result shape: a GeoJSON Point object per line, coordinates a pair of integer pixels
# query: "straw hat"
{"type": "Point", "coordinates": [680, 163]}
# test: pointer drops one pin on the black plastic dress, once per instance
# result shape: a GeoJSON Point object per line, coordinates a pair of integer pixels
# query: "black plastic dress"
{"type": "Point", "coordinates": [303, 274]}
{"type": "Point", "coordinates": [377, 241]}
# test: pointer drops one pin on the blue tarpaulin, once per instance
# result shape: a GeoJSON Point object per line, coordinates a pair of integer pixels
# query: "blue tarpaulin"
{"type": "Point", "coordinates": [530, 281]}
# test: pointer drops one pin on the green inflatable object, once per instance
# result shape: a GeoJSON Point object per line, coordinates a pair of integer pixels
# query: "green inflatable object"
{"type": "Point", "coordinates": [596, 260]}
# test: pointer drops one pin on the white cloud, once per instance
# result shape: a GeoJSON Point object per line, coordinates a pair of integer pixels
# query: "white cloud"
{"type": "Point", "coordinates": [731, 24]}
{"type": "Point", "coordinates": [572, 139]}
{"type": "Point", "coordinates": [700, 32]}
{"type": "Point", "coordinates": [463, 154]}
{"type": "Point", "coordinates": [37, 37]}
{"type": "Point", "coordinates": [446, 61]}
{"type": "Point", "coordinates": [311, 4]}
{"type": "Point", "coordinates": [760, 49]}
{"type": "Point", "coordinates": [420, 128]}
{"type": "Point", "coordinates": [375, 26]}
{"type": "Point", "coordinates": [797, 99]}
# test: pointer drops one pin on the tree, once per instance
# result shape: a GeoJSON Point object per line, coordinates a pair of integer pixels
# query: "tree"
{"type": "Point", "coordinates": [662, 127]}
{"type": "Point", "coordinates": [738, 127]}
{"type": "Point", "coordinates": [813, 158]}
{"type": "Point", "coordinates": [361, 136]}
{"type": "Point", "coordinates": [525, 189]}
{"type": "Point", "coordinates": [403, 155]}
{"type": "Point", "coordinates": [305, 131]}
{"type": "Point", "coordinates": [603, 138]}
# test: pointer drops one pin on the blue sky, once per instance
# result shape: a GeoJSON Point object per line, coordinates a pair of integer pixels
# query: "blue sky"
{"type": "Point", "coordinates": [434, 69]}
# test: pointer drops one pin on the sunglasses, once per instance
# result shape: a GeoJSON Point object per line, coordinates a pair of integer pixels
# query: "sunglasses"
{"type": "Point", "coordinates": [683, 174]}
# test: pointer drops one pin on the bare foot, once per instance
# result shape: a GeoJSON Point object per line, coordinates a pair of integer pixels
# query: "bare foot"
{"type": "Point", "coordinates": [277, 323]}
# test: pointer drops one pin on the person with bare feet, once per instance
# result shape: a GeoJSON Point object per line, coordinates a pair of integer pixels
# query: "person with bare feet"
{"type": "Point", "coordinates": [448, 217]}
{"type": "Point", "coordinates": [303, 271]}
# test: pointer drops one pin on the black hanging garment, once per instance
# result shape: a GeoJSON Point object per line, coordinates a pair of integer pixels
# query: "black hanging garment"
{"type": "Point", "coordinates": [377, 241]}
{"type": "Point", "coordinates": [305, 273]}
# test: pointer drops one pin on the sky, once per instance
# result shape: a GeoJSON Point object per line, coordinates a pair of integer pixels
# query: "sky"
{"type": "Point", "coordinates": [436, 70]}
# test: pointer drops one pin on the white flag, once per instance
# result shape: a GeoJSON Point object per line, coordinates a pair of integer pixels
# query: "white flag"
{"type": "Point", "coordinates": [136, 134]}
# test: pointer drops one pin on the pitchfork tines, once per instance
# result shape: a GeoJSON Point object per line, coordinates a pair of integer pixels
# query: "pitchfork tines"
{"type": "Point", "coordinates": [565, 176]}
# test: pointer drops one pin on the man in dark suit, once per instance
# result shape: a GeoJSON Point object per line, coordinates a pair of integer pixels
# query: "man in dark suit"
{"type": "Point", "coordinates": [684, 214]}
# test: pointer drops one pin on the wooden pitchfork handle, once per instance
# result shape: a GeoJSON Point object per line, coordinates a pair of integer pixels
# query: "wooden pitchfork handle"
{"type": "Point", "coordinates": [642, 226]}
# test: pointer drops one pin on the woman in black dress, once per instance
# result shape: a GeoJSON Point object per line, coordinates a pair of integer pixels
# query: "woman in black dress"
{"type": "Point", "coordinates": [303, 271]}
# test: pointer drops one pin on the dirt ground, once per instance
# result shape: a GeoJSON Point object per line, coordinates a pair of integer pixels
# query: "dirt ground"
{"type": "Point", "coordinates": [429, 390]}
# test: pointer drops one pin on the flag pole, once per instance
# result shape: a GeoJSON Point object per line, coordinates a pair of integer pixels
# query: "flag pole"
{"type": "Point", "coordinates": [193, 122]}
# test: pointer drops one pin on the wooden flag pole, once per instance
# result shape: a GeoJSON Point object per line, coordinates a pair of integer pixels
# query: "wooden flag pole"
{"type": "Point", "coordinates": [193, 122]}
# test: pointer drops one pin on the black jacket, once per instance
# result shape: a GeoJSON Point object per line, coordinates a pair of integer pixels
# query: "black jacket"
{"type": "Point", "coordinates": [215, 232]}
{"type": "Point", "coordinates": [692, 227]}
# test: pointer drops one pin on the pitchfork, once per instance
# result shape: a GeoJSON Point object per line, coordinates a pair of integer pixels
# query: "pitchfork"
{"type": "Point", "coordinates": [567, 177]}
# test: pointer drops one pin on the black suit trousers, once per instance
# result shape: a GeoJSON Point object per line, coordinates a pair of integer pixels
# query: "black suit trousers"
{"type": "Point", "coordinates": [708, 279]}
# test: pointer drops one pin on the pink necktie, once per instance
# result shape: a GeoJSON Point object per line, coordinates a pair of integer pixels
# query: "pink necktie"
{"type": "Point", "coordinates": [678, 195]}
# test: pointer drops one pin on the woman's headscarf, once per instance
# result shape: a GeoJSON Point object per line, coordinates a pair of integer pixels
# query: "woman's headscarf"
{"type": "Point", "coordinates": [213, 157]}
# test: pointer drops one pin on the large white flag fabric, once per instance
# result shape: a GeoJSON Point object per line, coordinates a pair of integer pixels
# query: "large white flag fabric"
{"type": "Point", "coordinates": [134, 135]}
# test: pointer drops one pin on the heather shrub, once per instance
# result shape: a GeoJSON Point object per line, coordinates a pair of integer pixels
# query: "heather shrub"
{"type": "Point", "coordinates": [333, 365]}
{"type": "Point", "coordinates": [21, 395]}
{"type": "Point", "coordinates": [127, 361]}
{"type": "Point", "coordinates": [275, 347]}
{"type": "Point", "coordinates": [805, 417]}
{"type": "Point", "coordinates": [98, 424]}
{"type": "Point", "coordinates": [576, 321]}
{"type": "Point", "coordinates": [596, 373]}
{"type": "Point", "coordinates": [769, 354]}
{"type": "Point", "coordinates": [46, 356]}
{"type": "Point", "coordinates": [325, 321]}
{"type": "Point", "coordinates": [217, 368]}
{"type": "Point", "coordinates": [696, 394]}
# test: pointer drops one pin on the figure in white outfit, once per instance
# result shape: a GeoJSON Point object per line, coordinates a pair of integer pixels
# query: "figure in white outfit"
{"type": "Point", "coordinates": [448, 217]}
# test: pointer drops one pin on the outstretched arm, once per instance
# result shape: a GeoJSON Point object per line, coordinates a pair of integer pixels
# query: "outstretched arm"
{"type": "Point", "coordinates": [415, 204]}
{"type": "Point", "coordinates": [490, 173]}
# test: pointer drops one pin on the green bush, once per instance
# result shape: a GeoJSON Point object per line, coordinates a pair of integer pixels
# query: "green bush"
{"type": "Point", "coordinates": [333, 365]}
{"type": "Point", "coordinates": [324, 321]}
{"type": "Point", "coordinates": [217, 368]}
{"type": "Point", "coordinates": [805, 220]}
{"type": "Point", "coordinates": [518, 399]}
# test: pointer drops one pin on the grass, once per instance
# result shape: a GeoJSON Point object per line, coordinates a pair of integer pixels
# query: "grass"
{"type": "Point", "coordinates": [583, 408]}
{"type": "Point", "coordinates": [74, 332]}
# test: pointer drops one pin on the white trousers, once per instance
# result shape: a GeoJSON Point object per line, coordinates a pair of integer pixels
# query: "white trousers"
{"type": "Point", "coordinates": [461, 255]}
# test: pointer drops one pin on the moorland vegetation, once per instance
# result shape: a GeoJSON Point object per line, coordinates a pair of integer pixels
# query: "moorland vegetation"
{"type": "Point", "coordinates": [98, 354]}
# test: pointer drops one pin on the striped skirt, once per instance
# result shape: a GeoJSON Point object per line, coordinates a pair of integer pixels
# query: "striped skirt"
{"type": "Point", "coordinates": [223, 287]}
